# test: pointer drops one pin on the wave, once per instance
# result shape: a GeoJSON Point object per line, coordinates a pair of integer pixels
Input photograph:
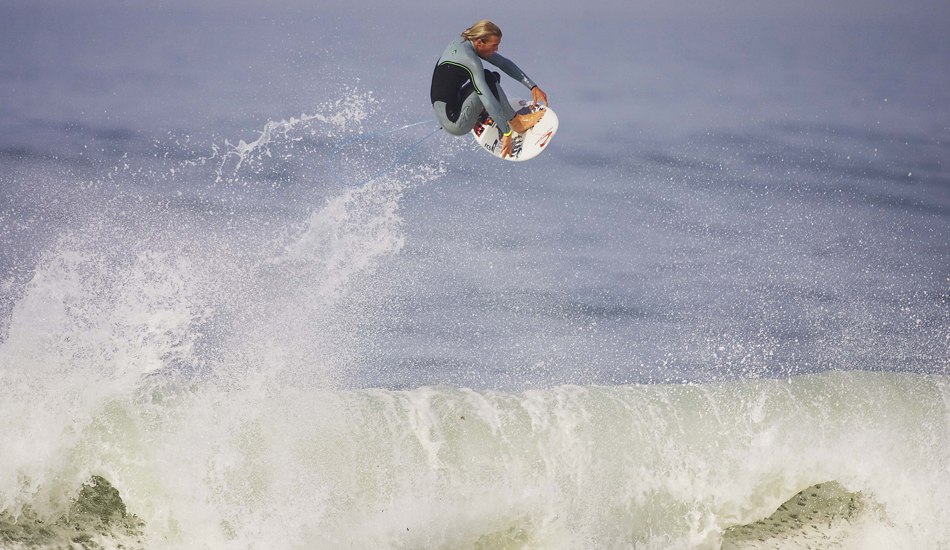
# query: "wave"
{"type": "Point", "coordinates": [271, 466]}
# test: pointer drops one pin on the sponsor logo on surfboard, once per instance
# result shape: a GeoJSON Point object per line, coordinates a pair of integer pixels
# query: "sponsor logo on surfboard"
{"type": "Point", "coordinates": [480, 124]}
{"type": "Point", "coordinates": [516, 146]}
{"type": "Point", "coordinates": [544, 139]}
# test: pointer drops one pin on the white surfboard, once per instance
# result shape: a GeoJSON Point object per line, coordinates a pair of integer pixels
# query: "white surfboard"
{"type": "Point", "coordinates": [523, 146]}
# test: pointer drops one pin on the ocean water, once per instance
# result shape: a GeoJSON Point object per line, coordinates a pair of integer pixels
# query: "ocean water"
{"type": "Point", "coordinates": [715, 314]}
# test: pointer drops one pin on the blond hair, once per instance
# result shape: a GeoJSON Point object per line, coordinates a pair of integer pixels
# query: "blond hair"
{"type": "Point", "coordinates": [481, 31]}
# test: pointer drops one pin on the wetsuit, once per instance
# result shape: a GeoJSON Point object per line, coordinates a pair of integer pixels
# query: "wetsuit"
{"type": "Point", "coordinates": [461, 87]}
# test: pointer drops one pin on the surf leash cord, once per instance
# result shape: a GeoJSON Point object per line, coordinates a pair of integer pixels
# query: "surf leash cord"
{"type": "Point", "coordinates": [372, 134]}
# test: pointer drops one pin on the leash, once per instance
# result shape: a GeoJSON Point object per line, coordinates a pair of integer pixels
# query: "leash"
{"type": "Point", "coordinates": [391, 166]}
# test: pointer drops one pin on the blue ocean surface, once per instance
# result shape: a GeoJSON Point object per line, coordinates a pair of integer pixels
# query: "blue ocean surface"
{"type": "Point", "coordinates": [715, 313]}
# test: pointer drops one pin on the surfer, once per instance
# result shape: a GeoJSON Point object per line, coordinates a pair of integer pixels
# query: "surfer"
{"type": "Point", "coordinates": [462, 87]}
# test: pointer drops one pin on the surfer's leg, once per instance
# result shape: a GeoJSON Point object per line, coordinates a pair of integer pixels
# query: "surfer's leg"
{"type": "Point", "coordinates": [460, 120]}
{"type": "Point", "coordinates": [494, 84]}
{"type": "Point", "coordinates": [518, 123]}
{"type": "Point", "coordinates": [463, 121]}
{"type": "Point", "coordinates": [448, 122]}
{"type": "Point", "coordinates": [470, 110]}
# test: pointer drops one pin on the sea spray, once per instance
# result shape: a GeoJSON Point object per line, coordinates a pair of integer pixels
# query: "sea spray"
{"type": "Point", "coordinates": [144, 305]}
{"type": "Point", "coordinates": [83, 334]}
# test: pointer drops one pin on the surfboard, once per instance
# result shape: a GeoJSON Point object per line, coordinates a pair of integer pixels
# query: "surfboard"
{"type": "Point", "coordinates": [523, 146]}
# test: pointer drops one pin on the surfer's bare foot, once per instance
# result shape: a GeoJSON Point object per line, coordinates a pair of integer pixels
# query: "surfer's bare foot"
{"type": "Point", "coordinates": [523, 123]}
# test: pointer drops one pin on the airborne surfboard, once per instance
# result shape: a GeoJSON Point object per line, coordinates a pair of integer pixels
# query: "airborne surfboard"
{"type": "Point", "coordinates": [523, 146]}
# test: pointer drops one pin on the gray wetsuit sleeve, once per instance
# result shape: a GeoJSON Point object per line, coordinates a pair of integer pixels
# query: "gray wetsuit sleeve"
{"type": "Point", "coordinates": [511, 69]}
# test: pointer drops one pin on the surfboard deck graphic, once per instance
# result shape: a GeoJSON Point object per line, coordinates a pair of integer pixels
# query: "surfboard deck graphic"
{"type": "Point", "coordinates": [523, 146]}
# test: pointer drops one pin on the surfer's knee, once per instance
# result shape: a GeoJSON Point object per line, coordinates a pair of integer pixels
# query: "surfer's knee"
{"type": "Point", "coordinates": [444, 120]}
{"type": "Point", "coordinates": [450, 126]}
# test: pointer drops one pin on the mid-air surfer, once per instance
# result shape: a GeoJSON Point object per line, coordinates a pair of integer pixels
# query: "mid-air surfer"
{"type": "Point", "coordinates": [462, 87]}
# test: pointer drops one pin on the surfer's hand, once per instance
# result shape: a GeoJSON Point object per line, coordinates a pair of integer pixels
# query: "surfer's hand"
{"type": "Point", "coordinates": [505, 146]}
{"type": "Point", "coordinates": [538, 95]}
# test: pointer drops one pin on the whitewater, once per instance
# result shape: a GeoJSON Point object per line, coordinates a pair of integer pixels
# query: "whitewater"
{"type": "Point", "coordinates": [436, 467]}
{"type": "Point", "coordinates": [717, 318]}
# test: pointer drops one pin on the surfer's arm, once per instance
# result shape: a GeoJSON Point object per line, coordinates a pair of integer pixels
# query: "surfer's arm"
{"type": "Point", "coordinates": [506, 146]}
{"type": "Point", "coordinates": [510, 69]}
{"type": "Point", "coordinates": [537, 94]}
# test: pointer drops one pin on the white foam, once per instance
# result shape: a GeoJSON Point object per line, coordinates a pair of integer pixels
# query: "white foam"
{"type": "Point", "coordinates": [638, 466]}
